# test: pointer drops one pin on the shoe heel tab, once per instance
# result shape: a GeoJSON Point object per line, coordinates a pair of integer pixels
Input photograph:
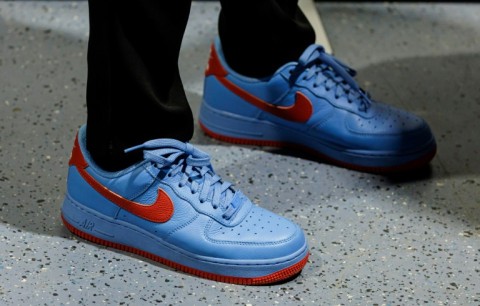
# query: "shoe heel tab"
{"type": "Point", "coordinates": [76, 158]}
{"type": "Point", "coordinates": [214, 66]}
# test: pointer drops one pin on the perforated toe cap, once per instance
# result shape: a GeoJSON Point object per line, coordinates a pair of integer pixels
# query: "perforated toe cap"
{"type": "Point", "coordinates": [388, 128]}
{"type": "Point", "coordinates": [385, 120]}
{"type": "Point", "coordinates": [261, 235]}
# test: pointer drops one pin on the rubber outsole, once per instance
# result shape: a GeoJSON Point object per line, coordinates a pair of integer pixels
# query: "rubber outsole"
{"type": "Point", "coordinates": [275, 277]}
{"type": "Point", "coordinates": [415, 164]}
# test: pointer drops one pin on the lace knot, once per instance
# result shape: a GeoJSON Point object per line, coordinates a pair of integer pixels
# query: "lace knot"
{"type": "Point", "coordinates": [194, 170]}
{"type": "Point", "coordinates": [332, 74]}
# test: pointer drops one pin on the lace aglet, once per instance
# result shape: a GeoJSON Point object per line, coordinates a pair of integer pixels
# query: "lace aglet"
{"type": "Point", "coordinates": [128, 150]}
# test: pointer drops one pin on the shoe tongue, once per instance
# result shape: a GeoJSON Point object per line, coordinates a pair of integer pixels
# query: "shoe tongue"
{"type": "Point", "coordinates": [225, 199]}
{"type": "Point", "coordinates": [237, 199]}
{"type": "Point", "coordinates": [310, 53]}
{"type": "Point", "coordinates": [239, 208]}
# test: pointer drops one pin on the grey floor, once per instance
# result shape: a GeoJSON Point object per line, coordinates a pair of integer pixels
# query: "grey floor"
{"type": "Point", "coordinates": [375, 240]}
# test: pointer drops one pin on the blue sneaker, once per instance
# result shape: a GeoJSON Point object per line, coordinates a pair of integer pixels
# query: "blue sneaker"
{"type": "Point", "coordinates": [315, 105]}
{"type": "Point", "coordinates": [174, 209]}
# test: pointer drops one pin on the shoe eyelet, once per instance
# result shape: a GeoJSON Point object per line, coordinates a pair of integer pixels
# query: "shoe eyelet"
{"type": "Point", "coordinates": [215, 206]}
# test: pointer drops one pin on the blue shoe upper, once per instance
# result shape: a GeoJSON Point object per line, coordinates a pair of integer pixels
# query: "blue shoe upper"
{"type": "Point", "coordinates": [210, 218]}
{"type": "Point", "coordinates": [343, 115]}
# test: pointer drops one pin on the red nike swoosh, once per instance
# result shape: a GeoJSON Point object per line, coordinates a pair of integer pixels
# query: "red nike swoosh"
{"type": "Point", "coordinates": [160, 211]}
{"type": "Point", "coordinates": [300, 111]}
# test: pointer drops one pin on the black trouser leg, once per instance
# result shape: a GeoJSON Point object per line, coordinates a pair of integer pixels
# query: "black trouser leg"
{"type": "Point", "coordinates": [134, 91]}
{"type": "Point", "coordinates": [259, 36]}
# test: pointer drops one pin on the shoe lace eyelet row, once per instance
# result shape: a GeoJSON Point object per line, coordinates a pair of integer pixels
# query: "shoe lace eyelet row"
{"type": "Point", "coordinates": [193, 168]}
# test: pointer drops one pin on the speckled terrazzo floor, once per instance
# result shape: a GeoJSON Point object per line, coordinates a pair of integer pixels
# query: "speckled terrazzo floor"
{"type": "Point", "coordinates": [374, 240]}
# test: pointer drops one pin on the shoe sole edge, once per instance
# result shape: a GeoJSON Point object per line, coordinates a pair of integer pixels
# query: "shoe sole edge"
{"type": "Point", "coordinates": [414, 164]}
{"type": "Point", "coordinates": [274, 277]}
